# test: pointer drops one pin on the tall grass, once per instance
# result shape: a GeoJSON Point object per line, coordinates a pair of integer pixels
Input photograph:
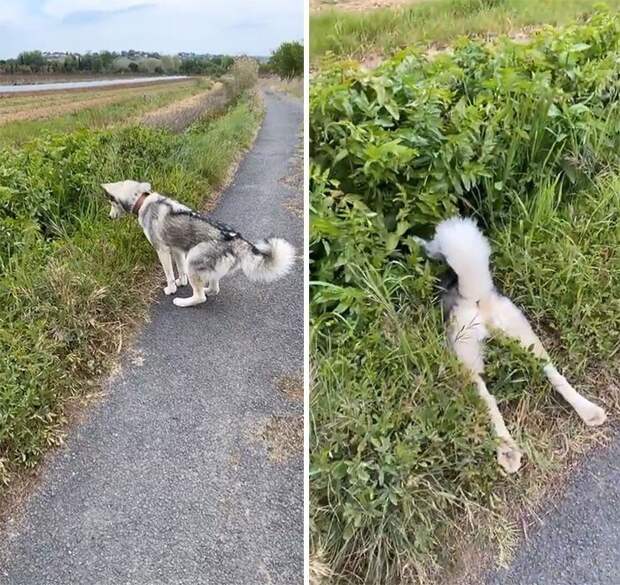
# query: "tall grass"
{"type": "Point", "coordinates": [384, 31]}
{"type": "Point", "coordinates": [71, 280]}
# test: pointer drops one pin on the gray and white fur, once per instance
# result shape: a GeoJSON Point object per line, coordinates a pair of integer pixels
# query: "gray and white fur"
{"type": "Point", "coordinates": [203, 249]}
{"type": "Point", "coordinates": [473, 308]}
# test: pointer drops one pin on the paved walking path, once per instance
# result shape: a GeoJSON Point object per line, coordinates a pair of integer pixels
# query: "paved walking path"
{"type": "Point", "coordinates": [579, 543]}
{"type": "Point", "coordinates": [168, 481]}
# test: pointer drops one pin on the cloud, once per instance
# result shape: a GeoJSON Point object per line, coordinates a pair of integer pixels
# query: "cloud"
{"type": "Point", "coordinates": [62, 9]}
{"type": "Point", "coordinates": [253, 27]}
{"type": "Point", "coordinates": [93, 16]}
{"type": "Point", "coordinates": [12, 12]}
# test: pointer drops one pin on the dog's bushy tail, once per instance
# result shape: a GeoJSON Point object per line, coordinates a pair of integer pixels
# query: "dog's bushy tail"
{"type": "Point", "coordinates": [467, 251]}
{"type": "Point", "coordinates": [268, 260]}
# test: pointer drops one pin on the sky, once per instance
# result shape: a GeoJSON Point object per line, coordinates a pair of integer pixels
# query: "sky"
{"type": "Point", "coordinates": [251, 27]}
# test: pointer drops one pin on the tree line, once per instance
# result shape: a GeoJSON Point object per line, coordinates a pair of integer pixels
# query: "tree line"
{"type": "Point", "coordinates": [104, 62]}
{"type": "Point", "coordinates": [287, 61]}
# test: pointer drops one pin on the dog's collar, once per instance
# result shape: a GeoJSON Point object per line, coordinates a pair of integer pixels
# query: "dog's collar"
{"type": "Point", "coordinates": [139, 202]}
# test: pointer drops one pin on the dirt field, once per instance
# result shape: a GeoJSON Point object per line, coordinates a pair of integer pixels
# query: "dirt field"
{"type": "Point", "coordinates": [38, 105]}
{"type": "Point", "coordinates": [358, 5]}
{"type": "Point", "coordinates": [179, 114]}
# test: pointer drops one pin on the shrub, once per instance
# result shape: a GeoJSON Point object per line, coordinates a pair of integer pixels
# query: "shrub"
{"type": "Point", "coordinates": [242, 75]}
{"type": "Point", "coordinates": [416, 140]}
{"type": "Point", "coordinates": [70, 277]}
{"type": "Point", "coordinates": [287, 60]}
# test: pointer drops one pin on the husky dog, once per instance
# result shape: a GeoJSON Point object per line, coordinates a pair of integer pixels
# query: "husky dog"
{"type": "Point", "coordinates": [473, 308]}
{"type": "Point", "coordinates": [204, 250]}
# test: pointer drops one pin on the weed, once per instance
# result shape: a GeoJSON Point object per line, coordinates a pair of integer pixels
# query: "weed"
{"type": "Point", "coordinates": [387, 30]}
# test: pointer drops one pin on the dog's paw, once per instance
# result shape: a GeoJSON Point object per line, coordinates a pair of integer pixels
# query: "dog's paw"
{"type": "Point", "coordinates": [592, 415]}
{"type": "Point", "coordinates": [509, 456]}
{"type": "Point", "coordinates": [170, 289]}
{"type": "Point", "coordinates": [181, 281]}
{"type": "Point", "coordinates": [211, 292]}
{"type": "Point", "coordinates": [188, 302]}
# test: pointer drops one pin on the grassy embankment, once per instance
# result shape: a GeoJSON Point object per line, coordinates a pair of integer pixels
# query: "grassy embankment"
{"type": "Point", "coordinates": [71, 280]}
{"type": "Point", "coordinates": [527, 139]}
{"type": "Point", "coordinates": [383, 31]}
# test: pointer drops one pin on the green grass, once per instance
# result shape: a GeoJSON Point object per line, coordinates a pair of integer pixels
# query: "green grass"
{"type": "Point", "coordinates": [383, 31]}
{"type": "Point", "coordinates": [99, 116]}
{"type": "Point", "coordinates": [526, 138]}
{"type": "Point", "coordinates": [403, 461]}
{"type": "Point", "coordinates": [71, 280]}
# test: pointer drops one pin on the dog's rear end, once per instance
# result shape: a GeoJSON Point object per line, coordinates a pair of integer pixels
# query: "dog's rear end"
{"type": "Point", "coordinates": [474, 308]}
{"type": "Point", "coordinates": [208, 262]}
{"type": "Point", "coordinates": [204, 250]}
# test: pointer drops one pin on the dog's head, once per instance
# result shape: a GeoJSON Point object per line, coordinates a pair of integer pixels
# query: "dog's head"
{"type": "Point", "coordinates": [123, 195]}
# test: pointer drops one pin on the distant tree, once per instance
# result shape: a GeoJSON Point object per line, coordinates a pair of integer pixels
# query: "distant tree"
{"type": "Point", "coordinates": [287, 60]}
{"type": "Point", "coordinates": [120, 64]}
{"type": "Point", "coordinates": [117, 62]}
{"type": "Point", "coordinates": [70, 64]}
{"type": "Point", "coordinates": [170, 64]}
{"type": "Point", "coordinates": [149, 65]}
{"type": "Point", "coordinates": [107, 59]}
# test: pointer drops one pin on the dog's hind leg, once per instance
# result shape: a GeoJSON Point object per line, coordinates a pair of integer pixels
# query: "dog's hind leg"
{"type": "Point", "coordinates": [179, 260]}
{"type": "Point", "coordinates": [508, 318]}
{"type": "Point", "coordinates": [166, 263]}
{"type": "Point", "coordinates": [466, 333]}
{"type": "Point", "coordinates": [213, 286]}
{"type": "Point", "coordinates": [198, 287]}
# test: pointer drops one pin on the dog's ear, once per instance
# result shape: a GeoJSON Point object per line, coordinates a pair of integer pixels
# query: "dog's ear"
{"type": "Point", "coordinates": [106, 187]}
{"type": "Point", "coordinates": [430, 248]}
{"type": "Point", "coordinates": [145, 188]}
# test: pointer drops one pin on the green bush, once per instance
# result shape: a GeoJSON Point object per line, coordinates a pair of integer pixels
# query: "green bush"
{"type": "Point", "coordinates": [287, 60]}
{"type": "Point", "coordinates": [416, 140]}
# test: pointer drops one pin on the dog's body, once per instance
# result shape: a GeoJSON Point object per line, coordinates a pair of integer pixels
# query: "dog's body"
{"type": "Point", "coordinates": [474, 308]}
{"type": "Point", "coordinates": [203, 249]}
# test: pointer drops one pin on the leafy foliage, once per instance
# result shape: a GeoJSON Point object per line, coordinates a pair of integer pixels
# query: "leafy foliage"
{"type": "Point", "coordinates": [287, 60]}
{"type": "Point", "coordinates": [524, 137]}
{"type": "Point", "coordinates": [416, 140]}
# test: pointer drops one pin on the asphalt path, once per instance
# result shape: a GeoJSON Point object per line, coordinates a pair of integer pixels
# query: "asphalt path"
{"type": "Point", "coordinates": [579, 541]}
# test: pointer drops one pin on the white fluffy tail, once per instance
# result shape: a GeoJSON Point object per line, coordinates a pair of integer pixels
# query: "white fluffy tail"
{"type": "Point", "coordinates": [274, 259]}
{"type": "Point", "coordinates": [467, 251]}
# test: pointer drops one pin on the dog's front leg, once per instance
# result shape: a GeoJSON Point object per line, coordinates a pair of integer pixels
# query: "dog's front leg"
{"type": "Point", "coordinates": [166, 263]}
